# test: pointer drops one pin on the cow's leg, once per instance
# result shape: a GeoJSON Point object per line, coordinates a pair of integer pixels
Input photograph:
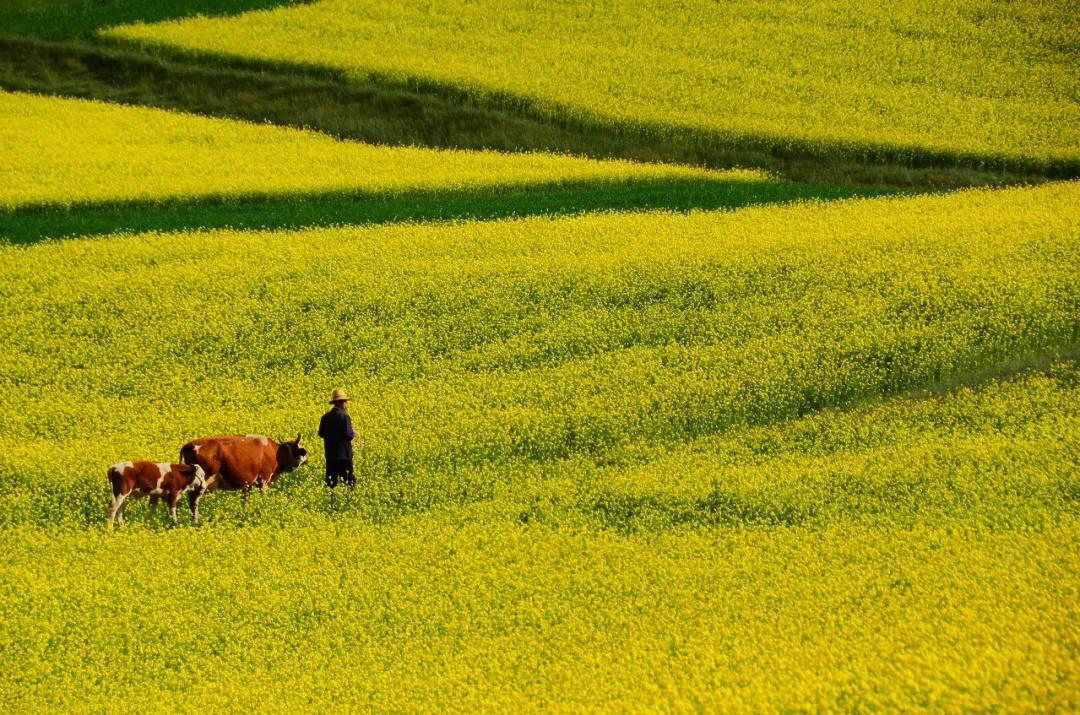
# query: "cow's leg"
{"type": "Point", "coordinates": [172, 498]}
{"type": "Point", "coordinates": [244, 491]}
{"type": "Point", "coordinates": [116, 508]}
{"type": "Point", "coordinates": [153, 504]}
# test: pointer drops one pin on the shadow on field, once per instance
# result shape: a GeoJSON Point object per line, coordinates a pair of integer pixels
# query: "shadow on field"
{"type": "Point", "coordinates": [65, 18]}
{"type": "Point", "coordinates": [420, 112]}
{"type": "Point", "coordinates": [32, 224]}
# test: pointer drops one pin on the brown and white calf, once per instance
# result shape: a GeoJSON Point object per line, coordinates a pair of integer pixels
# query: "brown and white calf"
{"type": "Point", "coordinates": [158, 479]}
{"type": "Point", "coordinates": [240, 462]}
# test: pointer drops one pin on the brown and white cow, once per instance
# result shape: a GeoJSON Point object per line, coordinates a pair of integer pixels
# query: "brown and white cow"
{"type": "Point", "coordinates": [158, 479]}
{"type": "Point", "coordinates": [240, 462]}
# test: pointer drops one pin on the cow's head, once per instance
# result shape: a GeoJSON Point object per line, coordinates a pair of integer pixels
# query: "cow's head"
{"type": "Point", "coordinates": [291, 455]}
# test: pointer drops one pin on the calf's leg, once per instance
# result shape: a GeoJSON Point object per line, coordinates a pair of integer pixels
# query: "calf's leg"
{"type": "Point", "coordinates": [116, 508]}
{"type": "Point", "coordinates": [193, 501]}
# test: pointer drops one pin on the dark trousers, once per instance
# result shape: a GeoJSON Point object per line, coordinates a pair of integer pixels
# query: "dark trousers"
{"type": "Point", "coordinates": [339, 469]}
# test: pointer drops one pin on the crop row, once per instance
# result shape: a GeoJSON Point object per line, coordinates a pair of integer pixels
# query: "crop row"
{"type": "Point", "coordinates": [1001, 455]}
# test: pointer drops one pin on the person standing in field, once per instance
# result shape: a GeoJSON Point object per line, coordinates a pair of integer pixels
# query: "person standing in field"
{"type": "Point", "coordinates": [337, 434]}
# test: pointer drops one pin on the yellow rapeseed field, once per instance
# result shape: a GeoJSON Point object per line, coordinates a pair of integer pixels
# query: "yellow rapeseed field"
{"type": "Point", "coordinates": [819, 456]}
{"type": "Point", "coordinates": [836, 76]}
{"type": "Point", "coordinates": [60, 152]}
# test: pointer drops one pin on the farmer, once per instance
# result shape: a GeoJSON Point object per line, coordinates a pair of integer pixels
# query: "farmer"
{"type": "Point", "coordinates": [337, 433]}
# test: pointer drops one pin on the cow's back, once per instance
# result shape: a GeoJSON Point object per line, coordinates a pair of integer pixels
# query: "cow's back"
{"type": "Point", "coordinates": [232, 461]}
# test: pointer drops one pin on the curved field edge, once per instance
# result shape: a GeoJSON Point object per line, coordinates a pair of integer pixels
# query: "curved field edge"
{"type": "Point", "coordinates": [445, 67]}
{"type": "Point", "coordinates": [476, 350]}
{"type": "Point", "coordinates": [439, 613]}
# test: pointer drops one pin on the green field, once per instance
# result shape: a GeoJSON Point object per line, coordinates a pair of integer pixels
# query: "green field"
{"type": "Point", "coordinates": [725, 365]}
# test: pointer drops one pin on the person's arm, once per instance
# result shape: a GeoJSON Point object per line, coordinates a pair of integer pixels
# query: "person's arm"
{"type": "Point", "coordinates": [349, 433]}
{"type": "Point", "coordinates": [322, 427]}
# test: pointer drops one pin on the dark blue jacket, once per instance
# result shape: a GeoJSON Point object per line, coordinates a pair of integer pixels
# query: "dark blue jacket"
{"type": "Point", "coordinates": [337, 434]}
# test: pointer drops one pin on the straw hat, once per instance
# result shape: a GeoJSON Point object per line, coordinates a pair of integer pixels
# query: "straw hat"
{"type": "Point", "coordinates": [339, 396]}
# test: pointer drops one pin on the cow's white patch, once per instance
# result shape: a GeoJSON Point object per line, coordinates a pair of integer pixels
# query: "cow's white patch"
{"type": "Point", "coordinates": [163, 469]}
{"type": "Point", "coordinates": [197, 448]}
{"type": "Point", "coordinates": [261, 439]}
{"type": "Point", "coordinates": [123, 467]}
{"type": "Point", "coordinates": [198, 483]}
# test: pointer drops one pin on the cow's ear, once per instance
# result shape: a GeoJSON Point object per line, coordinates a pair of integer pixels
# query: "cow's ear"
{"type": "Point", "coordinates": [298, 436]}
